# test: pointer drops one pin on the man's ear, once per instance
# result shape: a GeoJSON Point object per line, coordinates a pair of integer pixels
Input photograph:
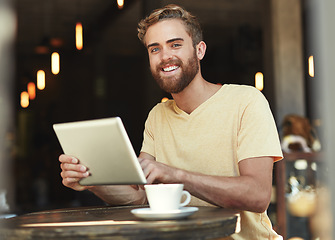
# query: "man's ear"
{"type": "Point", "coordinates": [201, 50]}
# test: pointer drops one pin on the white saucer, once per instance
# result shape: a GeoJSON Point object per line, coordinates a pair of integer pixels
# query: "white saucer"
{"type": "Point", "coordinates": [147, 213]}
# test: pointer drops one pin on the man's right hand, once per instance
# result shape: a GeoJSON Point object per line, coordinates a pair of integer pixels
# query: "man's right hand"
{"type": "Point", "coordinates": [73, 172]}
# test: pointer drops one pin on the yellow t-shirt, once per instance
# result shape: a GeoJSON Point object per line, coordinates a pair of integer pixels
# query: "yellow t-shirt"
{"type": "Point", "coordinates": [234, 124]}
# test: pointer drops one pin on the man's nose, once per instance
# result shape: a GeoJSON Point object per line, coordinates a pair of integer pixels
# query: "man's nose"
{"type": "Point", "coordinates": [166, 54]}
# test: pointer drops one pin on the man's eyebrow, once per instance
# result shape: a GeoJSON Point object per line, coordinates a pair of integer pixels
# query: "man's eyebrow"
{"type": "Point", "coordinates": [174, 39]}
{"type": "Point", "coordinates": [152, 44]}
{"type": "Point", "coordinates": [168, 41]}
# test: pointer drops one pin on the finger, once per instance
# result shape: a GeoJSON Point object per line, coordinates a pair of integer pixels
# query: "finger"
{"type": "Point", "coordinates": [74, 184]}
{"type": "Point", "coordinates": [74, 174]}
{"type": "Point", "coordinates": [71, 180]}
{"type": "Point", "coordinates": [68, 159]}
{"type": "Point", "coordinates": [73, 167]}
{"type": "Point", "coordinates": [144, 163]}
{"type": "Point", "coordinates": [149, 173]}
{"type": "Point", "coordinates": [147, 168]}
{"type": "Point", "coordinates": [151, 178]}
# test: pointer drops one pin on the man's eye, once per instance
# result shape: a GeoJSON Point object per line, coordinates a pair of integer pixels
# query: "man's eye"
{"type": "Point", "coordinates": [175, 45]}
{"type": "Point", "coordinates": [153, 50]}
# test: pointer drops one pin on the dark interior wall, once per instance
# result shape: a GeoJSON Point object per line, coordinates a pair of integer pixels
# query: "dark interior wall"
{"type": "Point", "coordinates": [233, 57]}
{"type": "Point", "coordinates": [86, 88]}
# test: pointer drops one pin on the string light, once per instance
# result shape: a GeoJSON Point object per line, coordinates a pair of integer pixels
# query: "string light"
{"type": "Point", "coordinates": [120, 4]}
{"type": "Point", "coordinates": [55, 63]}
{"type": "Point", "coordinates": [24, 99]}
{"type": "Point", "coordinates": [79, 36]}
{"type": "Point", "coordinates": [40, 79]}
{"type": "Point", "coordinates": [311, 66]}
{"type": "Point", "coordinates": [259, 81]}
{"type": "Point", "coordinates": [31, 90]}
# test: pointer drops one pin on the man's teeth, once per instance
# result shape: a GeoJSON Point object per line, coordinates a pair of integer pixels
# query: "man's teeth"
{"type": "Point", "coordinates": [171, 68]}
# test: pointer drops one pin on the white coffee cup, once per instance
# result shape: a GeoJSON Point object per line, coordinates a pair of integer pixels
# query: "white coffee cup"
{"type": "Point", "coordinates": [166, 197]}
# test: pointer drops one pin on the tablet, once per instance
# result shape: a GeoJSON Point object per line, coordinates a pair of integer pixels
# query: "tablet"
{"type": "Point", "coordinates": [103, 146]}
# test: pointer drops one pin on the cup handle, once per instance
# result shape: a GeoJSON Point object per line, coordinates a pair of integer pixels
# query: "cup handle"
{"type": "Point", "coordinates": [187, 200]}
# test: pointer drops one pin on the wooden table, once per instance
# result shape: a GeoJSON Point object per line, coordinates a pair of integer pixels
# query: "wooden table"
{"type": "Point", "coordinates": [118, 223]}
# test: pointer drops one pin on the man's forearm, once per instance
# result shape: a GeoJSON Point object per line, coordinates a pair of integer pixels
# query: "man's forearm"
{"type": "Point", "coordinates": [120, 195]}
{"type": "Point", "coordinates": [228, 192]}
{"type": "Point", "coordinates": [250, 191]}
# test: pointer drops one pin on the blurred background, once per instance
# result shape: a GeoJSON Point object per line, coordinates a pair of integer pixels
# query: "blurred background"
{"type": "Point", "coordinates": [49, 76]}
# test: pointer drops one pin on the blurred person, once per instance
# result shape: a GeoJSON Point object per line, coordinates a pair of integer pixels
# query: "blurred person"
{"type": "Point", "coordinates": [219, 141]}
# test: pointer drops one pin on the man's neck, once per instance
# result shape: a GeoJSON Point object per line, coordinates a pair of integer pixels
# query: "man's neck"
{"type": "Point", "coordinates": [196, 93]}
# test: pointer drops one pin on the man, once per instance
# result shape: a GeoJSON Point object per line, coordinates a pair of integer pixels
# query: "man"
{"type": "Point", "coordinates": [219, 141]}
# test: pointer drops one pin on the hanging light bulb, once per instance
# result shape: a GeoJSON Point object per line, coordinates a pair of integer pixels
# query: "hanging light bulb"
{"type": "Point", "coordinates": [55, 63]}
{"type": "Point", "coordinates": [24, 99]}
{"type": "Point", "coordinates": [311, 66]}
{"type": "Point", "coordinates": [31, 90]}
{"type": "Point", "coordinates": [40, 79]}
{"type": "Point", "coordinates": [120, 4]}
{"type": "Point", "coordinates": [79, 36]}
{"type": "Point", "coordinates": [259, 81]}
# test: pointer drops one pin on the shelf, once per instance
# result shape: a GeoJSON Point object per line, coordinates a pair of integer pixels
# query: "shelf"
{"type": "Point", "coordinates": [310, 157]}
{"type": "Point", "coordinates": [281, 181]}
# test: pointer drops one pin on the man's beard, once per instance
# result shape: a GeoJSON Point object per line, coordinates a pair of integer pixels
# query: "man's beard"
{"type": "Point", "coordinates": [176, 84]}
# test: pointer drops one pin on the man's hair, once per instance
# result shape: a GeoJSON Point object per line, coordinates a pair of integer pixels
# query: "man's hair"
{"type": "Point", "coordinates": [172, 11]}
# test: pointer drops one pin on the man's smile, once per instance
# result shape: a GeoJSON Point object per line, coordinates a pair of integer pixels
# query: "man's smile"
{"type": "Point", "coordinates": [170, 68]}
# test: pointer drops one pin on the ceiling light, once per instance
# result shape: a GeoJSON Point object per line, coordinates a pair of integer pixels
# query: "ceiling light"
{"type": "Point", "coordinates": [55, 63]}
{"type": "Point", "coordinates": [31, 90]}
{"type": "Point", "coordinates": [43, 47]}
{"type": "Point", "coordinates": [79, 36]}
{"type": "Point", "coordinates": [24, 99]}
{"type": "Point", "coordinates": [40, 79]}
{"type": "Point", "coordinates": [311, 66]}
{"type": "Point", "coordinates": [259, 81]}
{"type": "Point", "coordinates": [120, 4]}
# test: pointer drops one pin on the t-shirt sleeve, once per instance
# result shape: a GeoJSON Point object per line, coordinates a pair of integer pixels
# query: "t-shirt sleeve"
{"type": "Point", "coordinates": [257, 134]}
{"type": "Point", "coordinates": [148, 144]}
